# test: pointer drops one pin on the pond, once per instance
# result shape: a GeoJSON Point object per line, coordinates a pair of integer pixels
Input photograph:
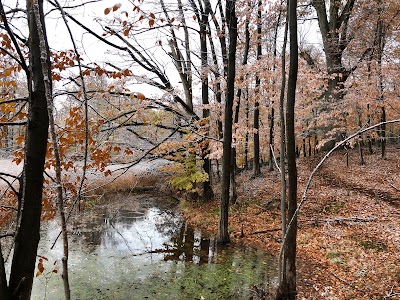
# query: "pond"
{"type": "Point", "coordinates": [143, 249]}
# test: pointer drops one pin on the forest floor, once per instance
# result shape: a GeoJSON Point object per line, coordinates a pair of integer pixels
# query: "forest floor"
{"type": "Point", "coordinates": [349, 227]}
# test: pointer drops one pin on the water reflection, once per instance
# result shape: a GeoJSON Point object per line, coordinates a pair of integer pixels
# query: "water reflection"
{"type": "Point", "coordinates": [146, 251]}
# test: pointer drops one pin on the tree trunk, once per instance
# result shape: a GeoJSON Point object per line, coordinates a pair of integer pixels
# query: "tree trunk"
{"type": "Point", "coordinates": [359, 142]}
{"type": "Point", "coordinates": [369, 141]}
{"type": "Point", "coordinates": [4, 291]}
{"type": "Point", "coordinates": [237, 111]}
{"type": "Point", "coordinates": [182, 64]}
{"type": "Point", "coordinates": [271, 138]}
{"type": "Point", "coordinates": [44, 55]}
{"type": "Point", "coordinates": [246, 144]}
{"type": "Point", "coordinates": [223, 234]}
{"type": "Point", "coordinates": [256, 115]}
{"type": "Point", "coordinates": [202, 16]}
{"type": "Point", "coordinates": [380, 44]}
{"type": "Point", "coordinates": [334, 33]}
{"type": "Point", "coordinates": [287, 282]}
{"type": "Point", "coordinates": [27, 237]}
{"type": "Point", "coordinates": [283, 133]}
{"type": "Point", "coordinates": [383, 133]}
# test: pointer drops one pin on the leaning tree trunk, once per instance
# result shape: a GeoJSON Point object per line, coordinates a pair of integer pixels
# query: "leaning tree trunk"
{"type": "Point", "coordinates": [223, 234]}
{"type": "Point", "coordinates": [287, 282]}
{"type": "Point", "coordinates": [27, 236]}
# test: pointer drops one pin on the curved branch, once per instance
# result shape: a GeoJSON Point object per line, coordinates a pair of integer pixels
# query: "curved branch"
{"type": "Point", "coordinates": [338, 145]}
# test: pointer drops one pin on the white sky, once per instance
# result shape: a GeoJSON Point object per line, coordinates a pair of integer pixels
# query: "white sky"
{"type": "Point", "coordinates": [94, 50]}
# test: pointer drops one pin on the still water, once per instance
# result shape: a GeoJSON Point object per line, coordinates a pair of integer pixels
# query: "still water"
{"type": "Point", "coordinates": [144, 250]}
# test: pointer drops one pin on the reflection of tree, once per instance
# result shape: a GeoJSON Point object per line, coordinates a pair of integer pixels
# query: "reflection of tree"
{"type": "Point", "coordinates": [168, 222]}
{"type": "Point", "coordinates": [110, 226]}
{"type": "Point", "coordinates": [187, 247]}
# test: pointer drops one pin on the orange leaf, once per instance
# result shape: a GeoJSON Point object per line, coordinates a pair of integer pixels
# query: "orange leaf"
{"type": "Point", "coordinates": [20, 139]}
{"type": "Point", "coordinates": [194, 17]}
{"type": "Point", "coordinates": [152, 16]}
{"type": "Point", "coordinates": [116, 6]}
{"type": "Point", "coordinates": [151, 23]}
{"type": "Point", "coordinates": [107, 11]}
{"type": "Point", "coordinates": [140, 96]}
{"type": "Point", "coordinates": [172, 20]}
{"type": "Point", "coordinates": [40, 267]}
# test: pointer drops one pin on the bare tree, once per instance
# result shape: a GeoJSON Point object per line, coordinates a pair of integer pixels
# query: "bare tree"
{"type": "Point", "coordinates": [223, 234]}
{"type": "Point", "coordinates": [287, 275]}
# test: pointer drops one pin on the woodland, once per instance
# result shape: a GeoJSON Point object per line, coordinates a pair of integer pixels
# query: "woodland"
{"type": "Point", "coordinates": [278, 121]}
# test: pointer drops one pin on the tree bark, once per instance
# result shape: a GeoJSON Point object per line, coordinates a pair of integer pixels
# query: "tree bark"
{"type": "Point", "coordinates": [256, 114]}
{"type": "Point", "coordinates": [237, 109]}
{"type": "Point", "coordinates": [335, 39]}
{"type": "Point", "coordinates": [4, 291]}
{"type": "Point", "coordinates": [283, 133]}
{"type": "Point", "coordinates": [380, 45]}
{"type": "Point", "coordinates": [203, 22]}
{"type": "Point", "coordinates": [287, 282]}
{"type": "Point", "coordinates": [223, 234]}
{"type": "Point", "coordinates": [27, 237]}
{"type": "Point", "coordinates": [44, 55]}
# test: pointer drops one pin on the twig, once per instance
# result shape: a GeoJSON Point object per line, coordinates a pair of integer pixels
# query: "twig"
{"type": "Point", "coordinates": [344, 281]}
{"type": "Point", "coordinates": [266, 231]}
{"type": "Point", "coordinates": [391, 294]}
{"type": "Point", "coordinates": [273, 155]}
{"type": "Point", "coordinates": [7, 235]}
{"type": "Point", "coordinates": [342, 220]}
{"type": "Point", "coordinates": [397, 189]}
{"type": "Point", "coordinates": [8, 207]}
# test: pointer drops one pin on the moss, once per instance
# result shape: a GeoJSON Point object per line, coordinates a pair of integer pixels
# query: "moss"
{"type": "Point", "coordinates": [373, 244]}
{"type": "Point", "coordinates": [335, 256]}
{"type": "Point", "coordinates": [334, 207]}
{"type": "Point", "coordinates": [370, 243]}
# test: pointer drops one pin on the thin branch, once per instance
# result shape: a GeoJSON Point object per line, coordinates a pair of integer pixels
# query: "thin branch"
{"type": "Point", "coordinates": [12, 37]}
{"type": "Point", "coordinates": [267, 231]}
{"type": "Point", "coordinates": [338, 145]}
{"type": "Point", "coordinates": [11, 55]}
{"type": "Point", "coordinates": [9, 185]}
{"type": "Point", "coordinates": [13, 123]}
{"type": "Point", "coordinates": [7, 235]}
{"type": "Point", "coordinates": [23, 99]}
{"type": "Point", "coordinates": [9, 175]}
{"type": "Point", "coordinates": [9, 207]}
{"type": "Point", "coordinates": [273, 155]}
